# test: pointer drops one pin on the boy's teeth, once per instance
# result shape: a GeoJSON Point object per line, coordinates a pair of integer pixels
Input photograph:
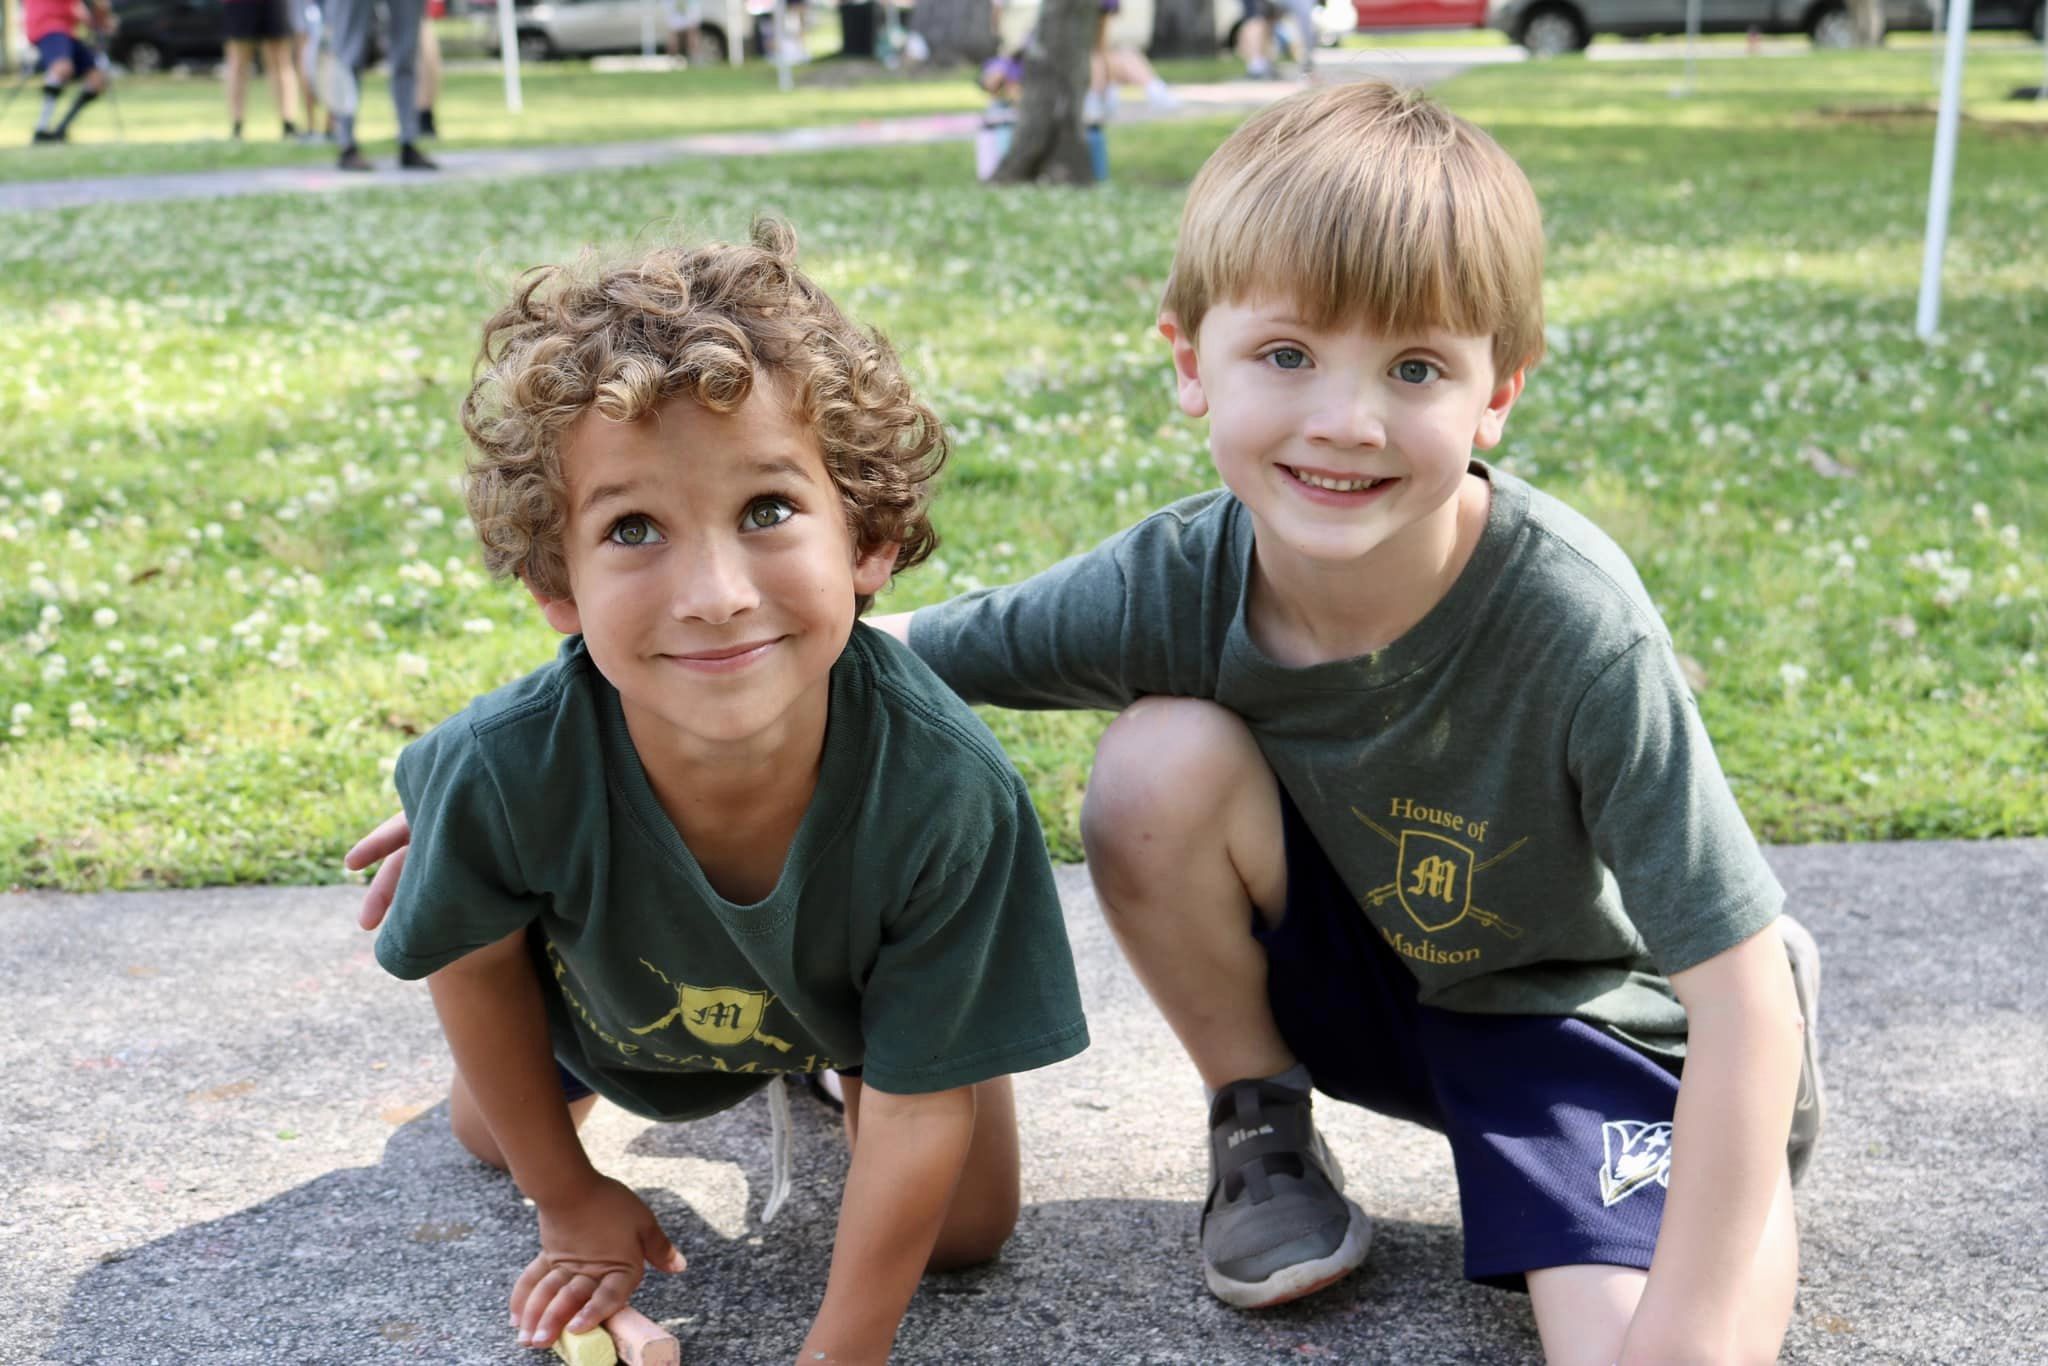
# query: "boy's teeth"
{"type": "Point", "coordinates": [1317, 481]}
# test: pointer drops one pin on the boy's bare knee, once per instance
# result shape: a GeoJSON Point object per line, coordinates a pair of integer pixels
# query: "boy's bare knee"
{"type": "Point", "coordinates": [57, 73]}
{"type": "Point", "coordinates": [1161, 771]}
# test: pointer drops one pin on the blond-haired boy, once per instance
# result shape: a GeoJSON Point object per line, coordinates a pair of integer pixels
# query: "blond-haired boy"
{"type": "Point", "coordinates": [729, 833]}
{"type": "Point", "coordinates": [1408, 801]}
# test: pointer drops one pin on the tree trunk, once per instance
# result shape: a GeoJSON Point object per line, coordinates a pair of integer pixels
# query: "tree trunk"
{"type": "Point", "coordinates": [956, 30]}
{"type": "Point", "coordinates": [1184, 28]}
{"type": "Point", "coordinates": [1048, 144]}
{"type": "Point", "coordinates": [1868, 16]}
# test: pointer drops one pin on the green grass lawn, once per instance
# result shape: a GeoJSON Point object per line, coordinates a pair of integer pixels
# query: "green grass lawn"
{"type": "Point", "coordinates": [235, 578]}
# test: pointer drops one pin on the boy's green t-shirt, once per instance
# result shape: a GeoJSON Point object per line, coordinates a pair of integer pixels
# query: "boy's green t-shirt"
{"type": "Point", "coordinates": [1518, 792]}
{"type": "Point", "coordinates": [915, 931]}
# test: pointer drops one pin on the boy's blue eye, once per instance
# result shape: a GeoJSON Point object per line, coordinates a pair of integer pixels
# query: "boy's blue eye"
{"type": "Point", "coordinates": [763, 513]}
{"type": "Point", "coordinates": [634, 530]}
{"type": "Point", "coordinates": [1288, 357]}
{"type": "Point", "coordinates": [1416, 372]}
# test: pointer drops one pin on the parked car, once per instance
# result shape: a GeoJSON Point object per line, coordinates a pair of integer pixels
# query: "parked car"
{"type": "Point", "coordinates": [155, 35]}
{"type": "Point", "coordinates": [589, 28]}
{"type": "Point", "coordinates": [1132, 24]}
{"type": "Point", "coordinates": [1550, 28]}
{"type": "Point", "coordinates": [1371, 16]}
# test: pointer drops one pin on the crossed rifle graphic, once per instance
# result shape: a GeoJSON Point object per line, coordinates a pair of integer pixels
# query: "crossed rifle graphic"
{"type": "Point", "coordinates": [1380, 896]}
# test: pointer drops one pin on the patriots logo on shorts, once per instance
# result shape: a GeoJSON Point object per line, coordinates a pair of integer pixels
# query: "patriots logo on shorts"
{"type": "Point", "coordinates": [1636, 1154]}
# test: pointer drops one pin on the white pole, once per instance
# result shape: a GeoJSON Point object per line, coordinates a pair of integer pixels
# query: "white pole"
{"type": "Point", "coordinates": [508, 54]}
{"type": "Point", "coordinates": [1692, 39]}
{"type": "Point", "coordinates": [735, 32]}
{"type": "Point", "coordinates": [1944, 169]}
{"type": "Point", "coordinates": [781, 45]}
{"type": "Point", "coordinates": [646, 28]}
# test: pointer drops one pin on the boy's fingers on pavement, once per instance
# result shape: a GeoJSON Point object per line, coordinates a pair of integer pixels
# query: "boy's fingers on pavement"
{"type": "Point", "coordinates": [608, 1299]}
{"type": "Point", "coordinates": [662, 1254]}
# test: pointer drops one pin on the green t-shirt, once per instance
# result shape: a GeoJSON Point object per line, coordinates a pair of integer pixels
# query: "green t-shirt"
{"type": "Point", "coordinates": [1518, 791]}
{"type": "Point", "coordinates": [915, 931]}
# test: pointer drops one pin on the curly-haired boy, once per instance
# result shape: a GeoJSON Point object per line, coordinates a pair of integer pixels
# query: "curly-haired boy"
{"type": "Point", "coordinates": [729, 833]}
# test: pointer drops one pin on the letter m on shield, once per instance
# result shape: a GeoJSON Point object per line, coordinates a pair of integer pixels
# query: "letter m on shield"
{"type": "Point", "coordinates": [722, 1016]}
{"type": "Point", "coordinates": [1434, 879]}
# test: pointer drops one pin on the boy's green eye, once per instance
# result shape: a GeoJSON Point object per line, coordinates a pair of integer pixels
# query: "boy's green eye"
{"type": "Point", "coordinates": [1288, 358]}
{"type": "Point", "coordinates": [634, 531]}
{"type": "Point", "coordinates": [1415, 371]}
{"type": "Point", "coordinates": [763, 513]}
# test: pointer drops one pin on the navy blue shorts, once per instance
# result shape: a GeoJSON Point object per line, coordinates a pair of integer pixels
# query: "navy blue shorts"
{"type": "Point", "coordinates": [52, 48]}
{"type": "Point", "coordinates": [1560, 1133]}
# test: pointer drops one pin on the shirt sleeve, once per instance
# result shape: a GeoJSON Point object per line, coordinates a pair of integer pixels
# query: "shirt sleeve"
{"type": "Point", "coordinates": [1055, 640]}
{"type": "Point", "coordinates": [974, 978]}
{"type": "Point", "coordinates": [1661, 815]}
{"type": "Point", "coordinates": [462, 887]}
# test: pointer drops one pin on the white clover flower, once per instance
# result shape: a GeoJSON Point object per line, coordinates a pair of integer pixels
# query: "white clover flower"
{"type": "Point", "coordinates": [51, 614]}
{"type": "Point", "coordinates": [479, 626]}
{"type": "Point", "coordinates": [1980, 514]}
{"type": "Point", "coordinates": [54, 668]}
{"type": "Point", "coordinates": [411, 665]}
{"type": "Point", "coordinates": [1793, 676]}
{"type": "Point", "coordinates": [105, 617]}
{"type": "Point", "coordinates": [51, 502]}
{"type": "Point", "coordinates": [21, 712]}
{"type": "Point", "coordinates": [213, 531]}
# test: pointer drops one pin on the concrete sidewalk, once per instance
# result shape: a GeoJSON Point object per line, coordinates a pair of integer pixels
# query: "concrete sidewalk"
{"type": "Point", "coordinates": [225, 1141]}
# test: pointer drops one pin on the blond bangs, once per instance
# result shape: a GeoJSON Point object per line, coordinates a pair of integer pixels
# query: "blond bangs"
{"type": "Point", "coordinates": [1367, 205]}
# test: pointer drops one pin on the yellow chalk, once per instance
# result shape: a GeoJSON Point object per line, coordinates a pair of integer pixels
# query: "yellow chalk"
{"type": "Point", "coordinates": [591, 1348]}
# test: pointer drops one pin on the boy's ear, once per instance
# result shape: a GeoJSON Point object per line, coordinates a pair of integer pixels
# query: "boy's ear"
{"type": "Point", "coordinates": [871, 570]}
{"type": "Point", "coordinates": [1187, 374]}
{"type": "Point", "coordinates": [1493, 419]}
{"type": "Point", "coordinates": [560, 612]}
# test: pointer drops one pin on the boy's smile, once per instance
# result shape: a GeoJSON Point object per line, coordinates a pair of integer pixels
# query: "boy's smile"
{"type": "Point", "coordinates": [712, 574]}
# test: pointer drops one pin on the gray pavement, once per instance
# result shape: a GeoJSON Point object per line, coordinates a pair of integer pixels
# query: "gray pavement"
{"type": "Point", "coordinates": [225, 1140]}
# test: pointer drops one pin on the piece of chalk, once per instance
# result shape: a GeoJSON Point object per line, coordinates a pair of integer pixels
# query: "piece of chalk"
{"type": "Point", "coordinates": [592, 1347]}
{"type": "Point", "coordinates": [641, 1341]}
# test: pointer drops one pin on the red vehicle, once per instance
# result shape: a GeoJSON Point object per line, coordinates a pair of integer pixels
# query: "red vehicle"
{"type": "Point", "coordinates": [1414, 14]}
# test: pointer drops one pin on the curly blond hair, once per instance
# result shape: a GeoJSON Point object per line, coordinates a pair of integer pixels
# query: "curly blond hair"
{"type": "Point", "coordinates": [700, 323]}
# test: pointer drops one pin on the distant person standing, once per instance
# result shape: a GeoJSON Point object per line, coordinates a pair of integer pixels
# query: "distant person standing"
{"type": "Point", "coordinates": [348, 24]}
{"type": "Point", "coordinates": [247, 25]}
{"type": "Point", "coordinates": [51, 27]}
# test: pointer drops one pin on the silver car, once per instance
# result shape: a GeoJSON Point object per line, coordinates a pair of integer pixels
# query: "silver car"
{"type": "Point", "coordinates": [583, 28]}
{"type": "Point", "coordinates": [1549, 28]}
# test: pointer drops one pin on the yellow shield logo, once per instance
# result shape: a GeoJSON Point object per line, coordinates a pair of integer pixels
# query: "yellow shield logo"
{"type": "Point", "coordinates": [722, 1016]}
{"type": "Point", "coordinates": [1434, 879]}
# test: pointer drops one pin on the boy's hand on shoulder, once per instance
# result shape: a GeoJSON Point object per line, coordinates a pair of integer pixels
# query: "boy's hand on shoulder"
{"type": "Point", "coordinates": [594, 1249]}
{"type": "Point", "coordinates": [388, 842]}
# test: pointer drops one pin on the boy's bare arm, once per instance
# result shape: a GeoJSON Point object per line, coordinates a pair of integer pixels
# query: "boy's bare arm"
{"type": "Point", "coordinates": [1728, 1152]}
{"type": "Point", "coordinates": [896, 624]}
{"type": "Point", "coordinates": [596, 1235]}
{"type": "Point", "coordinates": [906, 1162]}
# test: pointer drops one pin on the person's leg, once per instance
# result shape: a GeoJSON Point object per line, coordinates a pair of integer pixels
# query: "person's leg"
{"type": "Point", "coordinates": [474, 1132]}
{"type": "Point", "coordinates": [406, 16]}
{"type": "Point", "coordinates": [983, 1212]}
{"type": "Point", "coordinates": [348, 29]}
{"type": "Point", "coordinates": [240, 53]}
{"type": "Point", "coordinates": [1583, 1312]}
{"type": "Point", "coordinates": [1190, 853]}
{"type": "Point", "coordinates": [279, 70]}
{"type": "Point", "coordinates": [429, 76]}
{"type": "Point", "coordinates": [57, 68]}
{"type": "Point", "coordinates": [1181, 825]}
